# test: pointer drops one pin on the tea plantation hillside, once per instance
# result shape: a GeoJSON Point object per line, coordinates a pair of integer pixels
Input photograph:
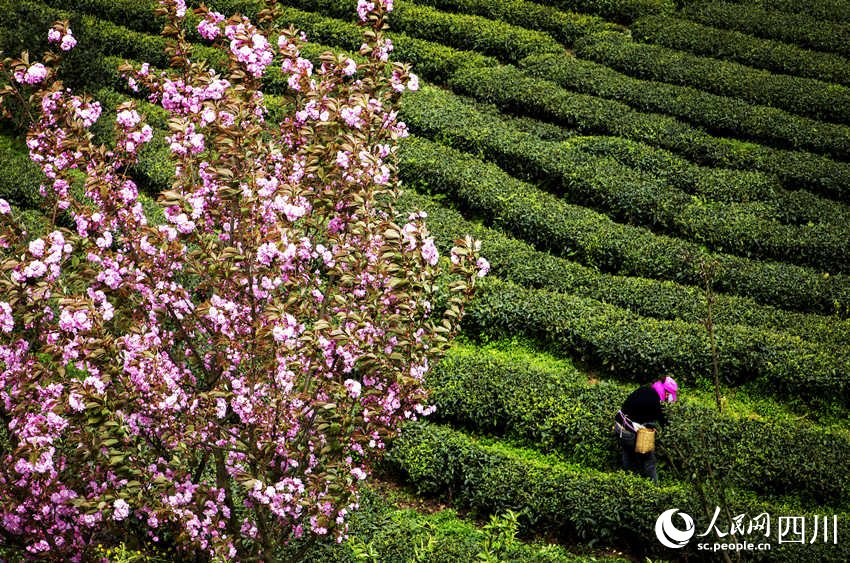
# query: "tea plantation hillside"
{"type": "Point", "coordinates": [606, 153]}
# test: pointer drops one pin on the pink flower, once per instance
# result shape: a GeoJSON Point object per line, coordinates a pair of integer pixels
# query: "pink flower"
{"type": "Point", "coordinates": [7, 323]}
{"type": "Point", "coordinates": [129, 118]}
{"type": "Point", "coordinates": [208, 28]}
{"type": "Point", "coordinates": [413, 83]}
{"type": "Point", "coordinates": [429, 251]}
{"type": "Point", "coordinates": [5, 208]}
{"type": "Point", "coordinates": [68, 42]}
{"type": "Point", "coordinates": [36, 247]}
{"type": "Point", "coordinates": [34, 74]}
{"type": "Point", "coordinates": [54, 36]}
{"type": "Point", "coordinates": [76, 403]}
{"type": "Point", "coordinates": [122, 509]}
{"type": "Point", "coordinates": [483, 267]}
{"type": "Point", "coordinates": [350, 67]}
{"type": "Point", "coordinates": [353, 387]}
{"type": "Point", "coordinates": [358, 473]}
{"type": "Point", "coordinates": [363, 9]}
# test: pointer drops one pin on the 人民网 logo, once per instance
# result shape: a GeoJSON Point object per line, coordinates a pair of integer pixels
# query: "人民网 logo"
{"type": "Point", "coordinates": [667, 532]}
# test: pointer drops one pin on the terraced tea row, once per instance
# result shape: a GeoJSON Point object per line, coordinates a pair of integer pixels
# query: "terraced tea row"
{"type": "Point", "coordinates": [799, 29]}
{"type": "Point", "coordinates": [582, 177]}
{"type": "Point", "coordinates": [739, 47]}
{"type": "Point", "coordinates": [515, 91]}
{"type": "Point", "coordinates": [718, 114]}
{"type": "Point", "coordinates": [569, 501]}
{"type": "Point", "coordinates": [803, 96]}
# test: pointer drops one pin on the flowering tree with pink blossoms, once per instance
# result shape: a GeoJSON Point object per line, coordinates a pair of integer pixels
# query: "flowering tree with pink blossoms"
{"type": "Point", "coordinates": [224, 379]}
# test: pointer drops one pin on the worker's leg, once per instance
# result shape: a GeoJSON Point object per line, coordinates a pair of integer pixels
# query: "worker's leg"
{"type": "Point", "coordinates": [648, 462]}
{"type": "Point", "coordinates": [630, 462]}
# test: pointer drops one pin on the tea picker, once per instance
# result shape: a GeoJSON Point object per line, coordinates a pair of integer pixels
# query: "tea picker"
{"type": "Point", "coordinates": [636, 422]}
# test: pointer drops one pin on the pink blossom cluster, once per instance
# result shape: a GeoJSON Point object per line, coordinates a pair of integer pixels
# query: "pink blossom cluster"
{"type": "Point", "coordinates": [249, 47]}
{"type": "Point", "coordinates": [62, 36]}
{"type": "Point", "coordinates": [298, 70]}
{"type": "Point", "coordinates": [7, 323]}
{"type": "Point", "coordinates": [45, 261]}
{"type": "Point", "coordinates": [34, 74]}
{"type": "Point", "coordinates": [209, 28]}
{"type": "Point", "coordinates": [87, 112]}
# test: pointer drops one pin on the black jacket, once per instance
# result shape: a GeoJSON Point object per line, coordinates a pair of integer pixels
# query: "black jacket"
{"type": "Point", "coordinates": [643, 406]}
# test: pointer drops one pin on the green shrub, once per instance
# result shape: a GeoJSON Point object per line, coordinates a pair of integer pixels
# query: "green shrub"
{"type": "Point", "coordinates": [807, 376]}
{"type": "Point", "coordinates": [569, 501]}
{"type": "Point", "coordinates": [735, 46]}
{"type": "Point", "coordinates": [802, 30]}
{"type": "Point", "coordinates": [519, 262]}
{"type": "Point", "coordinates": [584, 178]}
{"type": "Point", "coordinates": [620, 11]}
{"type": "Point", "coordinates": [97, 38]}
{"type": "Point", "coordinates": [552, 410]}
{"type": "Point", "coordinates": [431, 60]}
{"type": "Point", "coordinates": [493, 38]}
{"type": "Point", "coordinates": [513, 90]}
{"type": "Point", "coordinates": [21, 177]}
{"type": "Point", "coordinates": [133, 14]}
{"type": "Point", "coordinates": [553, 225]}
{"type": "Point", "coordinates": [381, 531]}
{"type": "Point", "coordinates": [803, 96]}
{"type": "Point", "coordinates": [716, 113]}
{"type": "Point", "coordinates": [566, 27]}
{"type": "Point", "coordinates": [762, 193]}
{"type": "Point", "coordinates": [830, 10]}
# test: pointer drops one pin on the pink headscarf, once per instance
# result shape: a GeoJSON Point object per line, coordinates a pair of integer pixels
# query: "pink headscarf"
{"type": "Point", "coordinates": [669, 385]}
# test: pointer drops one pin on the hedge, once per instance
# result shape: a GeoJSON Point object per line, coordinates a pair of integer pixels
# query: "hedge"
{"type": "Point", "coordinates": [133, 14]}
{"type": "Point", "coordinates": [513, 90]}
{"type": "Point", "coordinates": [548, 409]}
{"type": "Point", "coordinates": [566, 27]}
{"type": "Point", "coordinates": [488, 37]}
{"type": "Point", "coordinates": [407, 535]}
{"type": "Point", "coordinates": [802, 30]}
{"type": "Point", "coordinates": [519, 262]}
{"type": "Point", "coordinates": [568, 230]}
{"type": "Point", "coordinates": [430, 110]}
{"type": "Point", "coordinates": [735, 46]}
{"type": "Point", "coordinates": [808, 377]}
{"type": "Point", "coordinates": [21, 177]}
{"type": "Point", "coordinates": [831, 10]}
{"type": "Point", "coordinates": [431, 60]}
{"type": "Point", "coordinates": [620, 11]}
{"type": "Point", "coordinates": [27, 21]}
{"type": "Point", "coordinates": [763, 193]}
{"type": "Point", "coordinates": [803, 96]}
{"type": "Point", "coordinates": [569, 501]}
{"type": "Point", "coordinates": [718, 114]}
{"type": "Point", "coordinates": [629, 195]}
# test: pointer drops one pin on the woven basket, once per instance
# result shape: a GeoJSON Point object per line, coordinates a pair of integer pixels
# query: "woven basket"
{"type": "Point", "coordinates": [645, 441]}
